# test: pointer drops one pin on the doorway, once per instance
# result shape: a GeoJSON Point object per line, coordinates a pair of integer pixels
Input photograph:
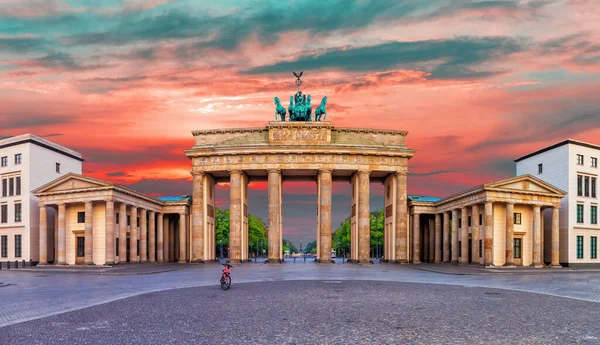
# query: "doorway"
{"type": "Point", "coordinates": [80, 259]}
{"type": "Point", "coordinates": [518, 241]}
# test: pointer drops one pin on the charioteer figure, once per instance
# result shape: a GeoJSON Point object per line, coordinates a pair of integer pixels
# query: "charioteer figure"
{"type": "Point", "coordinates": [300, 108]}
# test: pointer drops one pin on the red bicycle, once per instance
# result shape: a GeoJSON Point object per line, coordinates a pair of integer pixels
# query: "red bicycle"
{"type": "Point", "coordinates": [226, 277]}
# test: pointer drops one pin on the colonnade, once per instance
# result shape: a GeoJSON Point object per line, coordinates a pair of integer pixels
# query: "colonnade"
{"type": "Point", "coordinates": [131, 234]}
{"type": "Point", "coordinates": [446, 235]}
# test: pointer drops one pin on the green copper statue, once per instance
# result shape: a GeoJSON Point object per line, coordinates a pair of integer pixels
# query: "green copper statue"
{"type": "Point", "coordinates": [300, 108]}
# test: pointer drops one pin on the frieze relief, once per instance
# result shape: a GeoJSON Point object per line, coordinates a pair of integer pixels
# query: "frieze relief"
{"type": "Point", "coordinates": [299, 135]}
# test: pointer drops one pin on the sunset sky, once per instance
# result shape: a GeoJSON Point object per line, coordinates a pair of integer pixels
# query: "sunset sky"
{"type": "Point", "coordinates": [475, 83]}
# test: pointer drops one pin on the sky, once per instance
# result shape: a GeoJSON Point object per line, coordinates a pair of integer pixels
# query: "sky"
{"type": "Point", "coordinates": [475, 83]}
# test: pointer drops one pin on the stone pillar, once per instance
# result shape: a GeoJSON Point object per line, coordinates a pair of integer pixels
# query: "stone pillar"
{"type": "Point", "coordinates": [401, 218]}
{"type": "Point", "coordinates": [438, 239]}
{"type": "Point", "coordinates": [510, 234]}
{"type": "Point", "coordinates": [274, 231]}
{"type": "Point", "coordinates": [364, 217]}
{"type": "Point", "coordinates": [123, 233]}
{"type": "Point", "coordinates": [488, 240]}
{"type": "Point", "coordinates": [88, 233]}
{"type": "Point", "coordinates": [454, 237]}
{"type": "Point", "coordinates": [152, 237]}
{"type": "Point", "coordinates": [143, 236]}
{"type": "Point", "coordinates": [416, 239]}
{"type": "Point", "coordinates": [43, 235]}
{"type": "Point", "coordinates": [426, 240]}
{"type": "Point", "coordinates": [160, 239]}
{"type": "Point", "coordinates": [235, 216]}
{"type": "Point", "coordinates": [133, 235]}
{"type": "Point", "coordinates": [172, 239]}
{"type": "Point", "coordinates": [431, 240]}
{"type": "Point", "coordinates": [537, 237]}
{"type": "Point", "coordinates": [62, 234]}
{"type": "Point", "coordinates": [166, 254]}
{"type": "Point", "coordinates": [555, 238]}
{"type": "Point", "coordinates": [464, 236]}
{"type": "Point", "coordinates": [109, 216]}
{"type": "Point", "coordinates": [446, 252]}
{"type": "Point", "coordinates": [198, 218]}
{"type": "Point", "coordinates": [182, 254]}
{"type": "Point", "coordinates": [475, 233]}
{"type": "Point", "coordinates": [325, 195]}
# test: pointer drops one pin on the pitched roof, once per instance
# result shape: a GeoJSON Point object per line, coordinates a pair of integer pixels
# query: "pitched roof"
{"type": "Point", "coordinates": [176, 198]}
{"type": "Point", "coordinates": [423, 198]}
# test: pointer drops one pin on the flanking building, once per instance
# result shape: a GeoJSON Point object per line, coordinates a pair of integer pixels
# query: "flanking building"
{"type": "Point", "coordinates": [26, 163]}
{"type": "Point", "coordinates": [573, 167]}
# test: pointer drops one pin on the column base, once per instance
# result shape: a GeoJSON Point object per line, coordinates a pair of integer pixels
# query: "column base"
{"type": "Point", "coordinates": [42, 263]}
{"type": "Point", "coordinates": [488, 264]}
{"type": "Point", "coordinates": [198, 261]}
{"type": "Point", "coordinates": [509, 265]}
{"type": "Point", "coordinates": [62, 263]}
{"type": "Point", "coordinates": [90, 264]}
{"type": "Point", "coordinates": [537, 266]}
{"type": "Point", "coordinates": [144, 261]}
{"type": "Point", "coordinates": [152, 261]}
{"type": "Point", "coordinates": [416, 261]}
{"type": "Point", "coordinates": [109, 263]}
{"type": "Point", "coordinates": [555, 265]}
{"type": "Point", "coordinates": [402, 261]}
{"type": "Point", "coordinates": [437, 262]}
{"type": "Point", "coordinates": [274, 261]}
{"type": "Point", "coordinates": [181, 261]}
{"type": "Point", "coordinates": [454, 262]}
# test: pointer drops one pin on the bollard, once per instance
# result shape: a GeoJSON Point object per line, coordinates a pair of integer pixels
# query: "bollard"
{"type": "Point", "coordinates": [23, 264]}
{"type": "Point", "coordinates": [305, 259]}
{"type": "Point", "coordinates": [294, 260]}
{"type": "Point", "coordinates": [16, 264]}
{"type": "Point", "coordinates": [7, 264]}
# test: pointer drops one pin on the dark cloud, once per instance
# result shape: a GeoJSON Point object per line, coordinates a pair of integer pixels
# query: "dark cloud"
{"type": "Point", "coordinates": [22, 44]}
{"type": "Point", "coordinates": [163, 187]}
{"type": "Point", "coordinates": [582, 48]}
{"type": "Point", "coordinates": [12, 120]}
{"type": "Point", "coordinates": [62, 61]}
{"type": "Point", "coordinates": [117, 174]}
{"type": "Point", "coordinates": [454, 58]}
{"type": "Point", "coordinates": [53, 135]}
{"type": "Point", "coordinates": [504, 167]}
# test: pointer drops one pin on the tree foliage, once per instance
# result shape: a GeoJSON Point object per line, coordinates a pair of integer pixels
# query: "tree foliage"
{"type": "Point", "coordinates": [257, 230]}
{"type": "Point", "coordinates": [342, 234]}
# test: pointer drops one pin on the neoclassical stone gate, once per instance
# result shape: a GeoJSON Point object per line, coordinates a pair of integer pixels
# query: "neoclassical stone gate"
{"type": "Point", "coordinates": [313, 151]}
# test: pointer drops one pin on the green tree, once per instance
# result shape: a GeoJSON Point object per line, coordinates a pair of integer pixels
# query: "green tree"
{"type": "Point", "coordinates": [311, 247]}
{"type": "Point", "coordinates": [222, 227]}
{"type": "Point", "coordinates": [287, 245]}
{"type": "Point", "coordinates": [257, 233]}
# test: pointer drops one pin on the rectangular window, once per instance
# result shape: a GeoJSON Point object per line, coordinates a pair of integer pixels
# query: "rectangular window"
{"type": "Point", "coordinates": [594, 215]}
{"type": "Point", "coordinates": [138, 221]}
{"type": "Point", "coordinates": [4, 187]}
{"type": "Point", "coordinates": [117, 247]}
{"type": "Point", "coordinates": [469, 220]}
{"type": "Point", "coordinates": [517, 251]}
{"type": "Point", "coordinates": [580, 159]}
{"type": "Point", "coordinates": [4, 213]}
{"type": "Point", "coordinates": [4, 246]}
{"type": "Point", "coordinates": [11, 186]}
{"type": "Point", "coordinates": [580, 247]}
{"type": "Point", "coordinates": [579, 213]}
{"type": "Point", "coordinates": [18, 183]}
{"type": "Point", "coordinates": [17, 246]}
{"type": "Point", "coordinates": [18, 158]}
{"type": "Point", "coordinates": [516, 218]}
{"type": "Point", "coordinates": [17, 213]}
{"type": "Point", "coordinates": [58, 168]}
{"type": "Point", "coordinates": [480, 248]}
{"type": "Point", "coordinates": [4, 161]}
{"type": "Point", "coordinates": [480, 219]}
{"type": "Point", "coordinates": [460, 223]}
{"type": "Point", "coordinates": [80, 217]}
{"type": "Point", "coordinates": [594, 247]}
{"type": "Point", "coordinates": [80, 247]}
{"type": "Point", "coordinates": [579, 185]}
{"type": "Point", "coordinates": [587, 186]}
{"type": "Point", "coordinates": [540, 168]}
{"type": "Point", "coordinates": [117, 217]}
{"type": "Point", "coordinates": [593, 187]}
{"type": "Point", "coordinates": [594, 162]}
{"type": "Point", "coordinates": [128, 220]}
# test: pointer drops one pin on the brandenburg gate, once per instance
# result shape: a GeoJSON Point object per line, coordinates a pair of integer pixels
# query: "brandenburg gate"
{"type": "Point", "coordinates": [300, 150]}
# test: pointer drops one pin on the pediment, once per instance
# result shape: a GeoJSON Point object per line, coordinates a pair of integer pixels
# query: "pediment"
{"type": "Point", "coordinates": [72, 182]}
{"type": "Point", "coordinates": [525, 183]}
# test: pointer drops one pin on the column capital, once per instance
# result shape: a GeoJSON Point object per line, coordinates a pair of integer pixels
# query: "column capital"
{"type": "Point", "coordinates": [108, 199]}
{"type": "Point", "coordinates": [152, 212]}
{"type": "Point", "coordinates": [182, 214]}
{"type": "Point", "coordinates": [274, 171]}
{"type": "Point", "coordinates": [510, 203]}
{"type": "Point", "coordinates": [322, 171]}
{"type": "Point", "coordinates": [402, 173]}
{"type": "Point", "coordinates": [235, 171]}
{"type": "Point", "coordinates": [88, 202]}
{"type": "Point", "coordinates": [42, 204]}
{"type": "Point", "coordinates": [61, 203]}
{"type": "Point", "coordinates": [197, 173]}
{"type": "Point", "coordinates": [364, 172]}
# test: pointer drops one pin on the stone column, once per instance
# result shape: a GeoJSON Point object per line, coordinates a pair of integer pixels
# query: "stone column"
{"type": "Point", "coordinates": [143, 236]}
{"type": "Point", "coordinates": [416, 239]}
{"type": "Point", "coordinates": [123, 233]}
{"type": "Point", "coordinates": [446, 252]}
{"type": "Point", "coordinates": [537, 237]}
{"type": "Point", "coordinates": [109, 216]}
{"type": "Point", "coordinates": [426, 240]}
{"type": "Point", "coordinates": [166, 246]}
{"type": "Point", "coordinates": [172, 241]}
{"type": "Point", "coordinates": [510, 234]}
{"type": "Point", "coordinates": [160, 239]}
{"type": "Point", "coordinates": [43, 236]}
{"type": "Point", "coordinates": [464, 236]}
{"type": "Point", "coordinates": [454, 237]}
{"type": "Point", "coordinates": [475, 233]}
{"type": "Point", "coordinates": [401, 218]}
{"type": "Point", "coordinates": [198, 218]}
{"type": "Point", "coordinates": [555, 238]}
{"type": "Point", "coordinates": [488, 240]}
{"type": "Point", "coordinates": [431, 240]}
{"type": "Point", "coordinates": [325, 194]}
{"type": "Point", "coordinates": [133, 235]}
{"type": "Point", "coordinates": [235, 218]}
{"type": "Point", "coordinates": [88, 233]}
{"type": "Point", "coordinates": [274, 215]}
{"type": "Point", "coordinates": [152, 237]}
{"type": "Point", "coordinates": [438, 239]}
{"type": "Point", "coordinates": [182, 254]}
{"type": "Point", "coordinates": [62, 234]}
{"type": "Point", "coordinates": [364, 217]}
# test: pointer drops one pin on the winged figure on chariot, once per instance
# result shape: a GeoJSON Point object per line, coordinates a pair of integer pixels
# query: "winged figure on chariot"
{"type": "Point", "coordinates": [300, 108]}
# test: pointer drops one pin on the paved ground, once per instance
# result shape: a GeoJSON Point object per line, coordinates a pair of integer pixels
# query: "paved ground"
{"type": "Point", "coordinates": [321, 312]}
{"type": "Point", "coordinates": [36, 294]}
